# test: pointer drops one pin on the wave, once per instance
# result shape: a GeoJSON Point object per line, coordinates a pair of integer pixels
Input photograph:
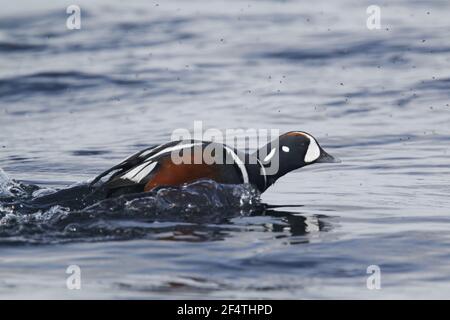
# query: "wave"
{"type": "Point", "coordinates": [384, 52]}
{"type": "Point", "coordinates": [53, 82]}
{"type": "Point", "coordinates": [29, 214]}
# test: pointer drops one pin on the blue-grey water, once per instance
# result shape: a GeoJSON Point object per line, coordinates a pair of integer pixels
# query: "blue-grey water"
{"type": "Point", "coordinates": [75, 102]}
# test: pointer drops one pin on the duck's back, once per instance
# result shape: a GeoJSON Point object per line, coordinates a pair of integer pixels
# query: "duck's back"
{"type": "Point", "coordinates": [173, 164]}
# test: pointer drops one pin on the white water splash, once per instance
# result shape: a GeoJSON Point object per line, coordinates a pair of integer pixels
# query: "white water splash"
{"type": "Point", "coordinates": [9, 187]}
{"type": "Point", "coordinates": [5, 184]}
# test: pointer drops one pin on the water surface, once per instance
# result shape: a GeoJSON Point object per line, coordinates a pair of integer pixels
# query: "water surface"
{"type": "Point", "coordinates": [74, 103]}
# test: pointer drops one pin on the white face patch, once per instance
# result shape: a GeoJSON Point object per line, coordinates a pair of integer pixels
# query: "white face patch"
{"type": "Point", "coordinates": [270, 155]}
{"type": "Point", "coordinates": [285, 148]}
{"type": "Point", "coordinates": [313, 152]}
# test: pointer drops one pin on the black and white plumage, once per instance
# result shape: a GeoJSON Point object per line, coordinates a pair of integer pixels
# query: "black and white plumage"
{"type": "Point", "coordinates": [180, 162]}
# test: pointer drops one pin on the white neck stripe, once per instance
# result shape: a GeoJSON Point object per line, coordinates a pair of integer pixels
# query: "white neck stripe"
{"type": "Point", "coordinates": [239, 163]}
{"type": "Point", "coordinates": [263, 173]}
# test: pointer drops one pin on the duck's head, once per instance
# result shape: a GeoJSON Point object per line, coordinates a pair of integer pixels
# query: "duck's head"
{"type": "Point", "coordinates": [291, 151]}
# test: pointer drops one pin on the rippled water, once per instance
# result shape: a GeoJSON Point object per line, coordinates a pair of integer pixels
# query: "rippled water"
{"type": "Point", "coordinates": [74, 103]}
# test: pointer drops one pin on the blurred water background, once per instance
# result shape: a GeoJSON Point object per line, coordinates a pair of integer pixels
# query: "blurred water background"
{"type": "Point", "coordinates": [75, 102]}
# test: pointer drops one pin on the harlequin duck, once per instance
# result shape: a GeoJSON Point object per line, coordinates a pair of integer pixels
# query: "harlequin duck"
{"type": "Point", "coordinates": [179, 162]}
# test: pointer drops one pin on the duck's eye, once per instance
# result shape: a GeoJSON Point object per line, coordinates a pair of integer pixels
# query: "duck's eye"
{"type": "Point", "coordinates": [285, 148]}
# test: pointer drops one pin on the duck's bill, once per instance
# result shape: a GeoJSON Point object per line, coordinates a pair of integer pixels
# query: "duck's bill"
{"type": "Point", "coordinates": [327, 158]}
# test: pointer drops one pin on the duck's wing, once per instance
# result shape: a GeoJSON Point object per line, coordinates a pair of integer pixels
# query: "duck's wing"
{"type": "Point", "coordinates": [134, 161]}
{"type": "Point", "coordinates": [136, 170]}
